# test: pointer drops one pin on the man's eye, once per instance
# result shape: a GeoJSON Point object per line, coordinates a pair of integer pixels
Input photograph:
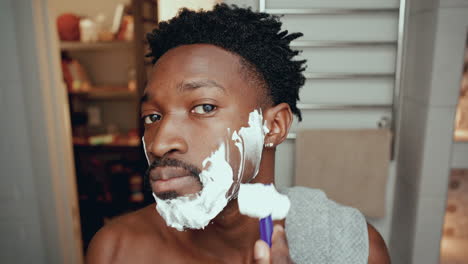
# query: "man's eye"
{"type": "Point", "coordinates": [149, 119]}
{"type": "Point", "coordinates": [203, 109]}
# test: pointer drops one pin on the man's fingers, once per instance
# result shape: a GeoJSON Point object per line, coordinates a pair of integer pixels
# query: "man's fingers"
{"type": "Point", "coordinates": [279, 237]}
{"type": "Point", "coordinates": [279, 246]}
{"type": "Point", "coordinates": [279, 252]}
{"type": "Point", "coordinates": [261, 252]}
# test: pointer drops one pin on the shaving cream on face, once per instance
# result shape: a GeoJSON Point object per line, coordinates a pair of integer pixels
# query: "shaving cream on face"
{"type": "Point", "coordinates": [249, 141]}
{"type": "Point", "coordinates": [197, 210]}
{"type": "Point", "coordinates": [259, 201]}
{"type": "Point", "coordinates": [144, 150]}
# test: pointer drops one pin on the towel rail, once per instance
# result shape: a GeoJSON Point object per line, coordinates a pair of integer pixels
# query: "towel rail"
{"type": "Point", "coordinates": [340, 44]}
{"type": "Point", "coordinates": [344, 107]}
{"type": "Point", "coordinates": [343, 76]}
{"type": "Point", "coordinates": [329, 11]}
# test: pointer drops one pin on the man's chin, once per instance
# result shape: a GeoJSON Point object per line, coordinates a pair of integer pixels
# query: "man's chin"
{"type": "Point", "coordinates": [167, 195]}
{"type": "Point", "coordinates": [173, 194]}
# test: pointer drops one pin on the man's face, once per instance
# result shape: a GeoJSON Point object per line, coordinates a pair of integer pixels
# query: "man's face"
{"type": "Point", "coordinates": [197, 96]}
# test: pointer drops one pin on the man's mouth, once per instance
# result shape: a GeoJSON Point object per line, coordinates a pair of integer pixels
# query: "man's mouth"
{"type": "Point", "coordinates": [174, 179]}
{"type": "Point", "coordinates": [165, 173]}
{"type": "Point", "coordinates": [182, 185]}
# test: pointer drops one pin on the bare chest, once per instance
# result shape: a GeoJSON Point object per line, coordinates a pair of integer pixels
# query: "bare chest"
{"type": "Point", "coordinates": [154, 251]}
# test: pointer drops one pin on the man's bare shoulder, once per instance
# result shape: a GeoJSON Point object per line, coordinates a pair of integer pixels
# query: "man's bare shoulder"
{"type": "Point", "coordinates": [121, 233]}
{"type": "Point", "coordinates": [378, 253]}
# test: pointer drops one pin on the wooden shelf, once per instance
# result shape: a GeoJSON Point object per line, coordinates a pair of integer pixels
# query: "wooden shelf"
{"type": "Point", "coordinates": [112, 145]}
{"type": "Point", "coordinates": [107, 92]}
{"type": "Point", "coordinates": [122, 142]}
{"type": "Point", "coordinates": [77, 45]}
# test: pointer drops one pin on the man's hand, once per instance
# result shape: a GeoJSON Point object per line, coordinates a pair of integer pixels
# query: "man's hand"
{"type": "Point", "coordinates": [279, 252]}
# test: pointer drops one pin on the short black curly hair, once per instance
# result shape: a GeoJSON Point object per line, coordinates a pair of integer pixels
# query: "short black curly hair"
{"type": "Point", "coordinates": [255, 37]}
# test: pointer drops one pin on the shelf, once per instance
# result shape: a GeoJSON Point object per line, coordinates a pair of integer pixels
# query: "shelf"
{"type": "Point", "coordinates": [112, 145]}
{"type": "Point", "coordinates": [106, 92]}
{"type": "Point", "coordinates": [76, 45]}
{"type": "Point", "coordinates": [123, 142]}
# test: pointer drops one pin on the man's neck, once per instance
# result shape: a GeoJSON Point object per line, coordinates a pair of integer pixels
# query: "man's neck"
{"type": "Point", "coordinates": [230, 229]}
{"type": "Point", "coordinates": [231, 234]}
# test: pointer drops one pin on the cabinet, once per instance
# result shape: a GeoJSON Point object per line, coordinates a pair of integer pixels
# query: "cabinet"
{"type": "Point", "coordinates": [109, 159]}
{"type": "Point", "coordinates": [105, 110]}
{"type": "Point", "coordinates": [105, 125]}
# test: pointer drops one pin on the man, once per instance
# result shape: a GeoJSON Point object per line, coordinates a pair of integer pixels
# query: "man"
{"type": "Point", "coordinates": [221, 97]}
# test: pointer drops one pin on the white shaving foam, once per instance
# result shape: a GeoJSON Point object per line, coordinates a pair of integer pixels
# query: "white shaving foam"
{"type": "Point", "coordinates": [266, 130]}
{"type": "Point", "coordinates": [144, 150]}
{"type": "Point", "coordinates": [249, 142]}
{"type": "Point", "coordinates": [258, 200]}
{"type": "Point", "coordinates": [197, 210]}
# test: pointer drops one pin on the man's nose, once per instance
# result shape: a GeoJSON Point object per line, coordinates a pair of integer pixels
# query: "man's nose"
{"type": "Point", "coordinates": [167, 138]}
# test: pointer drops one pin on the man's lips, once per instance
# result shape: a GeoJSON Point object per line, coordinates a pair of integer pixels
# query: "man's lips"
{"type": "Point", "coordinates": [167, 173]}
{"type": "Point", "coordinates": [165, 179]}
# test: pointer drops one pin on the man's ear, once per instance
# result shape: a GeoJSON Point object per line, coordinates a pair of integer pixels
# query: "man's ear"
{"type": "Point", "coordinates": [278, 120]}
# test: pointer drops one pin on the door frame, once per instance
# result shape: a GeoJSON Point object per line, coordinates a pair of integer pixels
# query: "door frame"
{"type": "Point", "coordinates": [46, 105]}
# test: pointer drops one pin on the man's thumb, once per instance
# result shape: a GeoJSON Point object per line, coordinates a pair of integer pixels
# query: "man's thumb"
{"type": "Point", "coordinates": [261, 252]}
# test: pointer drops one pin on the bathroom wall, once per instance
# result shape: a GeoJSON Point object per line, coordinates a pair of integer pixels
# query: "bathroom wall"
{"type": "Point", "coordinates": [416, 78]}
{"type": "Point", "coordinates": [431, 71]}
{"type": "Point", "coordinates": [433, 61]}
{"type": "Point", "coordinates": [449, 46]}
{"type": "Point", "coordinates": [341, 91]}
{"type": "Point", "coordinates": [460, 155]}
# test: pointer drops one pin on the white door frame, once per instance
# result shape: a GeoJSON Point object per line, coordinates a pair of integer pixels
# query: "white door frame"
{"type": "Point", "coordinates": [46, 105]}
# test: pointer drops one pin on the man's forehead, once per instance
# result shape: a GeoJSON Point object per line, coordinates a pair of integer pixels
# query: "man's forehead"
{"type": "Point", "coordinates": [191, 85]}
{"type": "Point", "coordinates": [187, 86]}
{"type": "Point", "coordinates": [197, 55]}
{"type": "Point", "coordinates": [189, 67]}
{"type": "Point", "coordinates": [196, 65]}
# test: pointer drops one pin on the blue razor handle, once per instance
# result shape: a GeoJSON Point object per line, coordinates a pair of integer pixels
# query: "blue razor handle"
{"type": "Point", "coordinates": [266, 229]}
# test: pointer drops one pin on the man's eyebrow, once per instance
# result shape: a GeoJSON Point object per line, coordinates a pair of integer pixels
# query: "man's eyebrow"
{"type": "Point", "coordinates": [145, 98]}
{"type": "Point", "coordinates": [192, 85]}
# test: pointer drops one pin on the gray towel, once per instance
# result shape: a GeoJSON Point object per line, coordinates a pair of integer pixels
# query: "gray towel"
{"type": "Point", "coordinates": [320, 231]}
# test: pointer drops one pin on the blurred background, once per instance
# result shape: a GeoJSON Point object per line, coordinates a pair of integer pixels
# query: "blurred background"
{"type": "Point", "coordinates": [385, 110]}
